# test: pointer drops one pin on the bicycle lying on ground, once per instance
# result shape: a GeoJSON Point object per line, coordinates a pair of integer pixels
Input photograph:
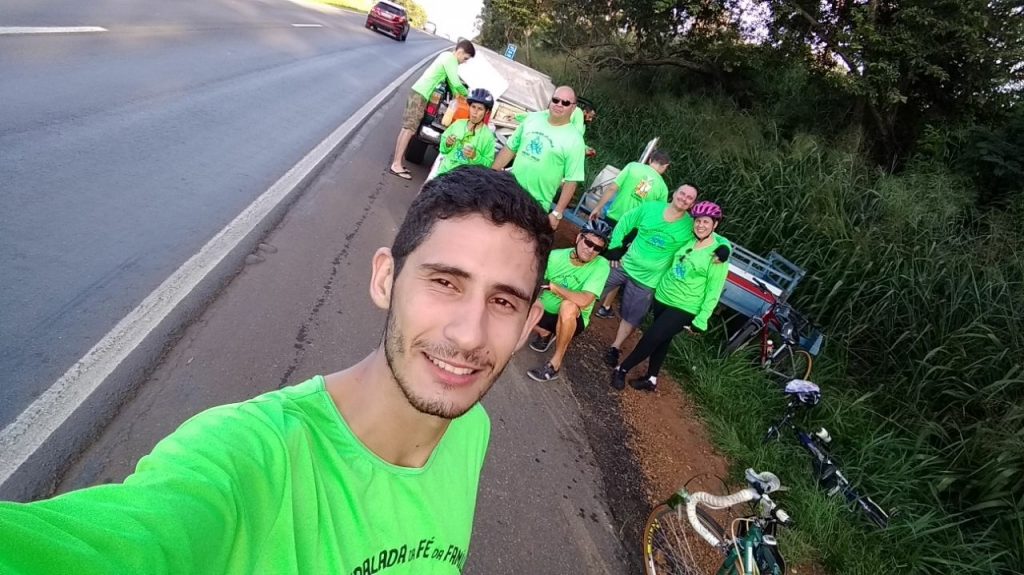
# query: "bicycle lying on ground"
{"type": "Point", "coordinates": [681, 538]}
{"type": "Point", "coordinates": [787, 359]}
{"type": "Point", "coordinates": [803, 395]}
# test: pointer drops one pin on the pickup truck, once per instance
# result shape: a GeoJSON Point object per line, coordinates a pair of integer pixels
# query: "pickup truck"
{"type": "Point", "coordinates": [516, 88]}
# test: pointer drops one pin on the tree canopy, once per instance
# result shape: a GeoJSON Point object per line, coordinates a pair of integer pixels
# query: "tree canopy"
{"type": "Point", "coordinates": [905, 63]}
{"type": "Point", "coordinates": [417, 15]}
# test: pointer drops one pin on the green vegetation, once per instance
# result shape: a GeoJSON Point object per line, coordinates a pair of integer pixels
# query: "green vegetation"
{"type": "Point", "coordinates": [357, 5]}
{"type": "Point", "coordinates": [897, 182]}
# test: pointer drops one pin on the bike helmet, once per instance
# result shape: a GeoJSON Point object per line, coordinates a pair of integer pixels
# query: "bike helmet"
{"type": "Point", "coordinates": [598, 228]}
{"type": "Point", "coordinates": [706, 209]}
{"type": "Point", "coordinates": [482, 97]}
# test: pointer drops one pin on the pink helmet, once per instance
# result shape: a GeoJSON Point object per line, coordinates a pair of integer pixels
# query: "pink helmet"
{"type": "Point", "coordinates": [706, 209]}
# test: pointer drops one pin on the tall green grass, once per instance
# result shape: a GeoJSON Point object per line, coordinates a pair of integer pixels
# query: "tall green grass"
{"type": "Point", "coordinates": [921, 296]}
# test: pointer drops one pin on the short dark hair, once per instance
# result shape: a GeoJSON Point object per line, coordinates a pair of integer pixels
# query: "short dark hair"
{"type": "Point", "coordinates": [660, 157]}
{"type": "Point", "coordinates": [474, 190]}
{"type": "Point", "coordinates": [467, 47]}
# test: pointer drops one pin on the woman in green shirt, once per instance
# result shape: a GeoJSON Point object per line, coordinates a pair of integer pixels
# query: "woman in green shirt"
{"type": "Point", "coordinates": [684, 298]}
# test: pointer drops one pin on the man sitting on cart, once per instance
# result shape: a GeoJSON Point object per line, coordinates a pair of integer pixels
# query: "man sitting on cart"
{"type": "Point", "coordinates": [573, 279]}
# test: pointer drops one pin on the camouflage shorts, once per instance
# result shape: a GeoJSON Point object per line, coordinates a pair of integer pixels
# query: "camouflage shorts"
{"type": "Point", "coordinates": [414, 107]}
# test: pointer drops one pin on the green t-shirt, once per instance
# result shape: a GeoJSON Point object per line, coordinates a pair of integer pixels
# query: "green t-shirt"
{"type": "Point", "coordinates": [546, 156]}
{"type": "Point", "coordinates": [576, 119]}
{"type": "Point", "coordinates": [278, 484]}
{"type": "Point", "coordinates": [694, 282]}
{"type": "Point", "coordinates": [589, 277]}
{"type": "Point", "coordinates": [481, 141]}
{"type": "Point", "coordinates": [656, 241]}
{"type": "Point", "coordinates": [638, 183]}
{"type": "Point", "coordinates": [444, 67]}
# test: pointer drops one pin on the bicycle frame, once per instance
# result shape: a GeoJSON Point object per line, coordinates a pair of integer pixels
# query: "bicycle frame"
{"type": "Point", "coordinates": [830, 477]}
{"type": "Point", "coordinates": [757, 554]}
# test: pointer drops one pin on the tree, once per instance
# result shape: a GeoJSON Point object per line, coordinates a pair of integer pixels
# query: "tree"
{"type": "Point", "coordinates": [417, 15]}
{"type": "Point", "coordinates": [912, 62]}
{"type": "Point", "coordinates": [514, 21]}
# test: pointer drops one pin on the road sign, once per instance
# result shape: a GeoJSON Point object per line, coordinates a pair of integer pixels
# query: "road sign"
{"type": "Point", "coordinates": [510, 51]}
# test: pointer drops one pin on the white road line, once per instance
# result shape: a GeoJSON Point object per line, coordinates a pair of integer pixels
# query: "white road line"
{"type": "Point", "coordinates": [308, 25]}
{"type": "Point", "coordinates": [49, 29]}
{"type": "Point", "coordinates": [21, 438]}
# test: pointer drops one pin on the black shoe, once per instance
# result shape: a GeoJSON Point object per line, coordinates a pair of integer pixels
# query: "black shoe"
{"type": "Point", "coordinates": [604, 312]}
{"type": "Point", "coordinates": [543, 373]}
{"type": "Point", "coordinates": [611, 357]}
{"type": "Point", "coordinates": [618, 379]}
{"type": "Point", "coordinates": [643, 383]}
{"type": "Point", "coordinates": [542, 344]}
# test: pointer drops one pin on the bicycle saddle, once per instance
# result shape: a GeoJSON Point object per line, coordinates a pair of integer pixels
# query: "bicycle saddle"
{"type": "Point", "coordinates": [804, 391]}
{"type": "Point", "coordinates": [764, 482]}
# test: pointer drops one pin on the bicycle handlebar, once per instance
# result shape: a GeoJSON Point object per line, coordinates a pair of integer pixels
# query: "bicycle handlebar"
{"type": "Point", "coordinates": [715, 502]}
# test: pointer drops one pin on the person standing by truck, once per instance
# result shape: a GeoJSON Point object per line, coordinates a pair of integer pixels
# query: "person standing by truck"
{"type": "Point", "coordinates": [549, 152]}
{"type": "Point", "coordinates": [444, 68]}
{"type": "Point", "coordinates": [469, 142]}
{"type": "Point", "coordinates": [636, 183]}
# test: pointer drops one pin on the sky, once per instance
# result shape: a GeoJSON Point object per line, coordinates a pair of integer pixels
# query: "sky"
{"type": "Point", "coordinates": [454, 18]}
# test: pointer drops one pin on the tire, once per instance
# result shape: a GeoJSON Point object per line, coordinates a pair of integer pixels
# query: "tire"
{"type": "Point", "coordinates": [404, 36]}
{"type": "Point", "coordinates": [671, 546]}
{"type": "Point", "coordinates": [789, 363]}
{"type": "Point", "coordinates": [416, 150]}
{"type": "Point", "coordinates": [742, 337]}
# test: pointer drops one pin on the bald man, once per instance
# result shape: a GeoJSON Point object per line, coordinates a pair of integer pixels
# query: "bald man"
{"type": "Point", "coordinates": [549, 152]}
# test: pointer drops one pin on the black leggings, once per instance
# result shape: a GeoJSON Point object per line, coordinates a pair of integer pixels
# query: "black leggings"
{"type": "Point", "coordinates": [668, 321]}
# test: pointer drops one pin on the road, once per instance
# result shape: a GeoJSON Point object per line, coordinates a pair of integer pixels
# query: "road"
{"type": "Point", "coordinates": [122, 152]}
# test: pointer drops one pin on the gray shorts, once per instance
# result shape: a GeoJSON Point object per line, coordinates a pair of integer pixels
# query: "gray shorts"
{"type": "Point", "coordinates": [636, 299]}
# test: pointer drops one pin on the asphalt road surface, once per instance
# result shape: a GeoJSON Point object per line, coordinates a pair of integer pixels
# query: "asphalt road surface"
{"type": "Point", "coordinates": [301, 307]}
{"type": "Point", "coordinates": [123, 151]}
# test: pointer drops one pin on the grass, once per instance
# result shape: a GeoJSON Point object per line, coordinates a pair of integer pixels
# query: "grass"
{"type": "Point", "coordinates": [921, 296]}
{"type": "Point", "coordinates": [356, 5]}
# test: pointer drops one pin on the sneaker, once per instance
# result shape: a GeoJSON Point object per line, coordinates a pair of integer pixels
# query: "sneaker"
{"type": "Point", "coordinates": [618, 379]}
{"type": "Point", "coordinates": [643, 383]}
{"type": "Point", "coordinates": [604, 312]}
{"type": "Point", "coordinates": [542, 344]}
{"type": "Point", "coordinates": [611, 357]}
{"type": "Point", "coordinates": [543, 373]}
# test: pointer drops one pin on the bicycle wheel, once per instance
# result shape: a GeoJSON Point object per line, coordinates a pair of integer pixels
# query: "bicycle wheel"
{"type": "Point", "coordinates": [788, 363]}
{"type": "Point", "coordinates": [671, 546]}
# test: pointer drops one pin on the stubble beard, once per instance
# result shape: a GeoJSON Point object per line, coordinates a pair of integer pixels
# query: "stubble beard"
{"type": "Point", "coordinates": [395, 350]}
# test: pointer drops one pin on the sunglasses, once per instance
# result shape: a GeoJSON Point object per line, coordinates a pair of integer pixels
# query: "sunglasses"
{"type": "Point", "coordinates": [562, 102]}
{"type": "Point", "coordinates": [593, 246]}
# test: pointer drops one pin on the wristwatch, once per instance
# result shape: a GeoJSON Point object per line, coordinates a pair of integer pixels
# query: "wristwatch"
{"type": "Point", "coordinates": [557, 214]}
